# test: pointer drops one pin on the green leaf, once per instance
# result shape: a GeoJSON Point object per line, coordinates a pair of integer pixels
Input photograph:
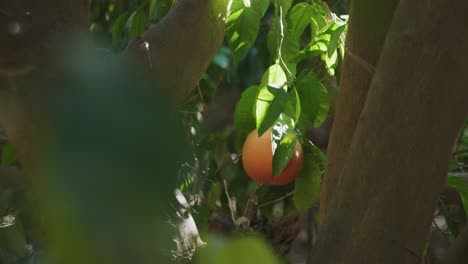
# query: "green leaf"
{"type": "Point", "coordinates": [293, 106]}
{"type": "Point", "coordinates": [8, 155]}
{"type": "Point", "coordinates": [242, 30]}
{"type": "Point", "coordinates": [152, 6]}
{"type": "Point", "coordinates": [234, 251]}
{"type": "Point", "coordinates": [314, 99]}
{"type": "Point", "coordinates": [270, 104]}
{"type": "Point", "coordinates": [137, 24]}
{"type": "Point", "coordinates": [462, 188]}
{"type": "Point", "coordinates": [335, 37]}
{"type": "Point", "coordinates": [317, 18]}
{"type": "Point", "coordinates": [284, 142]}
{"type": "Point", "coordinates": [236, 6]}
{"type": "Point", "coordinates": [299, 19]}
{"type": "Point", "coordinates": [244, 119]}
{"type": "Point", "coordinates": [275, 76]}
{"type": "Point", "coordinates": [159, 8]}
{"type": "Point", "coordinates": [285, 5]}
{"type": "Point", "coordinates": [326, 43]}
{"type": "Point", "coordinates": [261, 6]}
{"type": "Point", "coordinates": [311, 148]}
{"type": "Point", "coordinates": [290, 47]}
{"type": "Point", "coordinates": [118, 27]}
{"type": "Point", "coordinates": [330, 62]}
{"type": "Point", "coordinates": [307, 185]}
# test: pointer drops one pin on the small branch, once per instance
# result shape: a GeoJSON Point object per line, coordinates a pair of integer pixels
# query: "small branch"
{"type": "Point", "coordinates": [459, 152]}
{"type": "Point", "coordinates": [231, 210]}
{"type": "Point", "coordinates": [277, 200]}
{"type": "Point", "coordinates": [365, 65]}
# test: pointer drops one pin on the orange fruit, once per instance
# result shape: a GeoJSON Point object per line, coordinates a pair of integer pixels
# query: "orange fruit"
{"type": "Point", "coordinates": [257, 158]}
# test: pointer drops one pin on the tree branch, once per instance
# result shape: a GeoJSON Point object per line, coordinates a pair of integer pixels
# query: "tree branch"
{"type": "Point", "coordinates": [177, 50]}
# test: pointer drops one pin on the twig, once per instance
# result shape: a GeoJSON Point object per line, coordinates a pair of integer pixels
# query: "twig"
{"type": "Point", "coordinates": [201, 97]}
{"type": "Point", "coordinates": [461, 151]}
{"type": "Point", "coordinates": [276, 200]}
{"type": "Point", "coordinates": [229, 201]}
{"type": "Point", "coordinates": [367, 66]}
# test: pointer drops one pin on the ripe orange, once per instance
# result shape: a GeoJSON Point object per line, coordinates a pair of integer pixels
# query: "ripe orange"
{"type": "Point", "coordinates": [257, 158]}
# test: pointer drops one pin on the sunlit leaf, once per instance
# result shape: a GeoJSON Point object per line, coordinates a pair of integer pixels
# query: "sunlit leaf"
{"type": "Point", "coordinates": [330, 62]}
{"type": "Point", "coordinates": [274, 76]}
{"type": "Point", "coordinates": [270, 104]}
{"type": "Point", "coordinates": [242, 30]}
{"type": "Point", "coordinates": [299, 19]}
{"type": "Point", "coordinates": [335, 37]}
{"type": "Point", "coordinates": [284, 142]}
{"type": "Point", "coordinates": [260, 6]}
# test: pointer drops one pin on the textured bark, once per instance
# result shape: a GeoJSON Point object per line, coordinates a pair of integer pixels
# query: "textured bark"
{"type": "Point", "coordinates": [368, 25]}
{"type": "Point", "coordinates": [458, 253]}
{"type": "Point", "coordinates": [178, 49]}
{"type": "Point", "coordinates": [397, 162]}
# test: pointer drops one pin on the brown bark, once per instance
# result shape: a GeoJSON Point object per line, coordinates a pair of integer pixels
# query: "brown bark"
{"type": "Point", "coordinates": [368, 25]}
{"type": "Point", "coordinates": [180, 47]}
{"type": "Point", "coordinates": [458, 252]}
{"type": "Point", "coordinates": [397, 162]}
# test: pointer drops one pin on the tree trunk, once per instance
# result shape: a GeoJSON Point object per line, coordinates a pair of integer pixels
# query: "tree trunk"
{"type": "Point", "coordinates": [397, 162]}
{"type": "Point", "coordinates": [368, 25]}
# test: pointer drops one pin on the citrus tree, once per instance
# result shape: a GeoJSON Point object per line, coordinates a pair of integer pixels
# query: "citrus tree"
{"type": "Point", "coordinates": [121, 116]}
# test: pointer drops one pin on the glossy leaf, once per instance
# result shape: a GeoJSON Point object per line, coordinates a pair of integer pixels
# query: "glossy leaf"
{"type": "Point", "coordinates": [260, 6]}
{"type": "Point", "coordinates": [330, 62]}
{"type": "Point", "coordinates": [270, 104]}
{"type": "Point", "coordinates": [299, 19]}
{"type": "Point", "coordinates": [335, 37]}
{"type": "Point", "coordinates": [274, 76]}
{"type": "Point", "coordinates": [283, 143]}
{"type": "Point", "coordinates": [242, 30]}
